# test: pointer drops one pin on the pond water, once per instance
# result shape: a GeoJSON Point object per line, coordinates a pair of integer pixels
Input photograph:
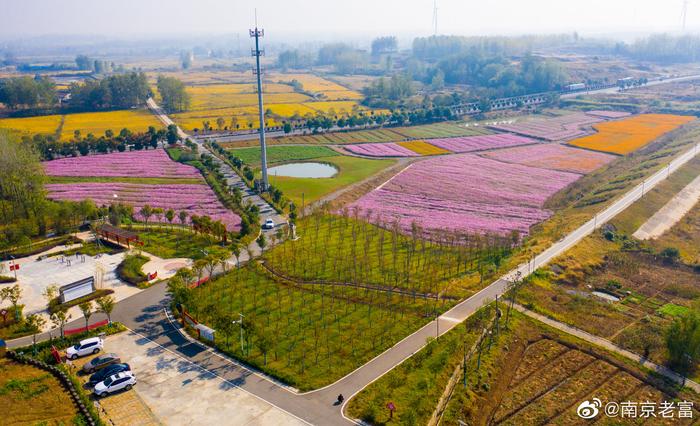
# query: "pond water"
{"type": "Point", "coordinates": [606, 296]}
{"type": "Point", "coordinates": [303, 170]}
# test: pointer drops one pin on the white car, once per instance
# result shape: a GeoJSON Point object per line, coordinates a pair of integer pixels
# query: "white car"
{"type": "Point", "coordinates": [269, 224]}
{"type": "Point", "coordinates": [115, 383]}
{"type": "Point", "coordinates": [86, 347]}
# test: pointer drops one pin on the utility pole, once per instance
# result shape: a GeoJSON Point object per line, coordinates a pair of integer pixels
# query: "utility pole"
{"type": "Point", "coordinates": [240, 323]}
{"type": "Point", "coordinates": [435, 20]}
{"type": "Point", "coordinates": [257, 33]}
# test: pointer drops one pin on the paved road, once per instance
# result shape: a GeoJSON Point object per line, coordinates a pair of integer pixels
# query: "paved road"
{"type": "Point", "coordinates": [617, 89]}
{"type": "Point", "coordinates": [144, 313]}
{"type": "Point", "coordinates": [232, 178]}
{"type": "Point", "coordinates": [672, 212]}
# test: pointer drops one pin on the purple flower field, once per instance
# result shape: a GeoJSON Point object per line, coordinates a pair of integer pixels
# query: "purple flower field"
{"type": "Point", "coordinates": [381, 150]}
{"type": "Point", "coordinates": [467, 193]}
{"type": "Point", "coordinates": [149, 164]}
{"type": "Point", "coordinates": [552, 156]}
{"type": "Point", "coordinates": [194, 199]}
{"type": "Point", "coordinates": [552, 129]}
{"type": "Point", "coordinates": [479, 143]}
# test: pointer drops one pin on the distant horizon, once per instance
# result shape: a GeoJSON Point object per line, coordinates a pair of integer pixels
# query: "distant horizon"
{"type": "Point", "coordinates": [304, 19]}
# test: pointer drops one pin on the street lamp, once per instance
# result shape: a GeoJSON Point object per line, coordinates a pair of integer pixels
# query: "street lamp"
{"type": "Point", "coordinates": [240, 322]}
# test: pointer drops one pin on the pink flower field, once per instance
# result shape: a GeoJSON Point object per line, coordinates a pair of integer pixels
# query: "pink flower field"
{"type": "Point", "coordinates": [152, 163]}
{"type": "Point", "coordinates": [381, 150]}
{"type": "Point", "coordinates": [552, 156]}
{"type": "Point", "coordinates": [480, 143]}
{"type": "Point", "coordinates": [194, 199]}
{"type": "Point", "coordinates": [564, 127]}
{"type": "Point", "coordinates": [467, 193]}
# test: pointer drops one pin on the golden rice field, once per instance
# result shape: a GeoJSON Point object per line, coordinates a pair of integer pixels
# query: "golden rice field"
{"type": "Point", "coordinates": [224, 95]}
{"type": "Point", "coordinates": [47, 124]}
{"type": "Point", "coordinates": [337, 95]}
{"type": "Point", "coordinates": [423, 148]}
{"type": "Point", "coordinates": [338, 107]}
{"type": "Point", "coordinates": [136, 120]}
{"type": "Point", "coordinates": [213, 97]}
{"type": "Point", "coordinates": [625, 136]}
{"type": "Point", "coordinates": [204, 77]}
{"type": "Point", "coordinates": [191, 120]}
{"type": "Point", "coordinates": [310, 82]}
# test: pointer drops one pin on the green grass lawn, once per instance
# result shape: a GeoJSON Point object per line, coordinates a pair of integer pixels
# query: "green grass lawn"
{"type": "Point", "coordinates": [351, 170]}
{"type": "Point", "coordinates": [673, 310]}
{"type": "Point", "coordinates": [130, 269]}
{"type": "Point", "coordinates": [170, 243]}
{"type": "Point", "coordinates": [279, 154]}
{"type": "Point", "coordinates": [307, 336]}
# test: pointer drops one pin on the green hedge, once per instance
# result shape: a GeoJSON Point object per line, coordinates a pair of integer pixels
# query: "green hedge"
{"type": "Point", "coordinates": [130, 269]}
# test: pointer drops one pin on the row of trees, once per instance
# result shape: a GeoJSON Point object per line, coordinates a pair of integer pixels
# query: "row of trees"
{"type": "Point", "coordinates": [358, 248]}
{"type": "Point", "coordinates": [116, 91]}
{"type": "Point", "coordinates": [174, 96]}
{"type": "Point", "coordinates": [49, 148]}
{"type": "Point", "coordinates": [27, 92]}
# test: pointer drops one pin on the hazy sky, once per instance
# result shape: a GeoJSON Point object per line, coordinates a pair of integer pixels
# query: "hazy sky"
{"type": "Point", "coordinates": [156, 17]}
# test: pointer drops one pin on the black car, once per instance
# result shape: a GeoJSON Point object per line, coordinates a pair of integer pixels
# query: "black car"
{"type": "Point", "coordinates": [108, 371]}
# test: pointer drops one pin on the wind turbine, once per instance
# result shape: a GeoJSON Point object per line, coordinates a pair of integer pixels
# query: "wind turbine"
{"type": "Point", "coordinates": [684, 12]}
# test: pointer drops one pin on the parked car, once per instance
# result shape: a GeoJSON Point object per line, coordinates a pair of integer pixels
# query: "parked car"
{"type": "Point", "coordinates": [100, 362]}
{"type": "Point", "coordinates": [86, 347]}
{"type": "Point", "coordinates": [269, 224]}
{"type": "Point", "coordinates": [115, 383]}
{"type": "Point", "coordinates": [110, 370]}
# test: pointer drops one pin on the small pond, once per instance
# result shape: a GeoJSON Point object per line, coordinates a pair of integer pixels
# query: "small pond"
{"type": "Point", "coordinates": [303, 170]}
{"type": "Point", "coordinates": [606, 296]}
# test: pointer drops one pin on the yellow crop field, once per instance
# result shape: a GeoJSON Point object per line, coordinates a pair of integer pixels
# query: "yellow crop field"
{"type": "Point", "coordinates": [205, 77]}
{"type": "Point", "coordinates": [423, 148]}
{"type": "Point", "coordinates": [212, 97]}
{"type": "Point", "coordinates": [46, 124]}
{"type": "Point", "coordinates": [136, 120]}
{"type": "Point", "coordinates": [310, 82]}
{"type": "Point", "coordinates": [336, 95]}
{"type": "Point", "coordinates": [628, 135]}
{"type": "Point", "coordinates": [339, 107]}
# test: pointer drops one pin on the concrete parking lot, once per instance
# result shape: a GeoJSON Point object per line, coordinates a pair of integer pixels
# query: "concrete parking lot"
{"type": "Point", "coordinates": [181, 393]}
{"type": "Point", "coordinates": [122, 408]}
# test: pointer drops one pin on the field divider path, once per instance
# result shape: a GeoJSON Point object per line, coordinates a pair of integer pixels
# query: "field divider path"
{"type": "Point", "coordinates": [610, 346]}
{"type": "Point", "coordinates": [384, 289]}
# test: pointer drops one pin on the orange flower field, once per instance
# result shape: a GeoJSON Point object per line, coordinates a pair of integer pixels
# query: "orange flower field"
{"type": "Point", "coordinates": [625, 136]}
{"type": "Point", "coordinates": [423, 148]}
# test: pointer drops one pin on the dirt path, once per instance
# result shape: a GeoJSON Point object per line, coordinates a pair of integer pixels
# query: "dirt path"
{"type": "Point", "coordinates": [670, 213]}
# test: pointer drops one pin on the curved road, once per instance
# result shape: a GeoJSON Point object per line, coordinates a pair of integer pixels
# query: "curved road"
{"type": "Point", "coordinates": [144, 313]}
